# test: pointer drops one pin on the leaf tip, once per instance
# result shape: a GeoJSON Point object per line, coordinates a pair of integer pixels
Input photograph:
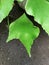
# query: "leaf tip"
{"type": "Point", "coordinates": [7, 40]}
{"type": "Point", "coordinates": [0, 21]}
{"type": "Point", "coordinates": [30, 55]}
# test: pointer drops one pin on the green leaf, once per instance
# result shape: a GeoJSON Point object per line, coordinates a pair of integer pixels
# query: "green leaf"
{"type": "Point", "coordinates": [40, 10]}
{"type": "Point", "coordinates": [5, 8]}
{"type": "Point", "coordinates": [24, 30]}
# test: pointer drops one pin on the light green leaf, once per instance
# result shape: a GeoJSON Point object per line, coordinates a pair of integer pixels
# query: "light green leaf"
{"type": "Point", "coordinates": [40, 10]}
{"type": "Point", "coordinates": [24, 30]}
{"type": "Point", "coordinates": [5, 8]}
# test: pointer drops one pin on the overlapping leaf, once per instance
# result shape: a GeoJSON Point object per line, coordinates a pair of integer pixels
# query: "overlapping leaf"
{"type": "Point", "coordinates": [25, 31]}
{"type": "Point", "coordinates": [5, 8]}
{"type": "Point", "coordinates": [40, 10]}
